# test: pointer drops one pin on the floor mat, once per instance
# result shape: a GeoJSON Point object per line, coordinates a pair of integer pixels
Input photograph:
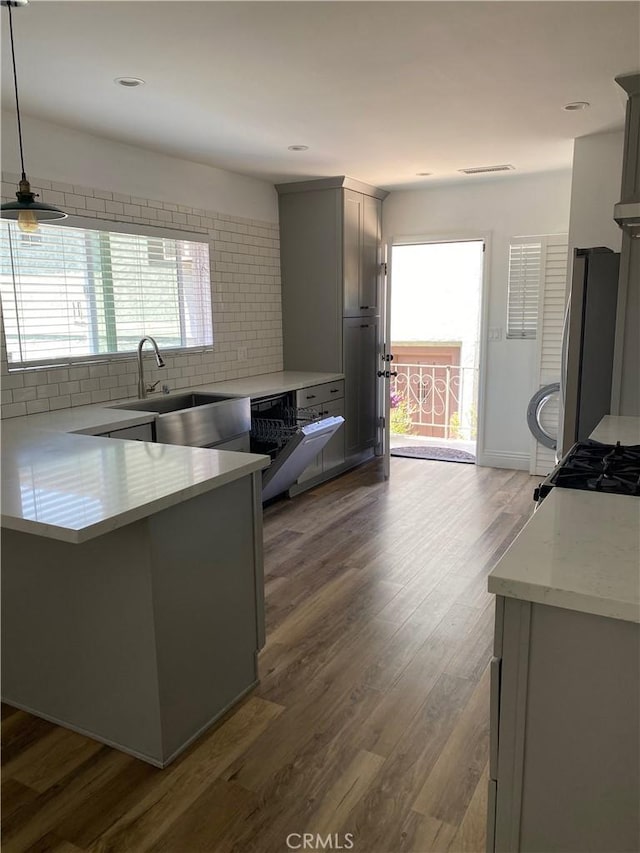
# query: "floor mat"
{"type": "Point", "coordinates": [440, 454]}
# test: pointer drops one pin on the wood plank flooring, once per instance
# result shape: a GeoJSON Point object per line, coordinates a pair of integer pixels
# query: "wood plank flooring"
{"type": "Point", "coordinates": [372, 713]}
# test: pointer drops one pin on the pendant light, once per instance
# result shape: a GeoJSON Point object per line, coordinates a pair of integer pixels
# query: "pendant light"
{"type": "Point", "coordinates": [26, 210]}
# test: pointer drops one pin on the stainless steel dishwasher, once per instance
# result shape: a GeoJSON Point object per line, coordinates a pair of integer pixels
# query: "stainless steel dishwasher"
{"type": "Point", "coordinates": [292, 437]}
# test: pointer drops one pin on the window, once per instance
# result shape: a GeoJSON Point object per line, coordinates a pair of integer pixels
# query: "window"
{"type": "Point", "coordinates": [77, 293]}
{"type": "Point", "coordinates": [524, 284]}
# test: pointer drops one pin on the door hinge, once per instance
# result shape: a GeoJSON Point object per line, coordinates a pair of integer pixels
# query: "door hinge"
{"type": "Point", "coordinates": [382, 423]}
{"type": "Point", "coordinates": [384, 267]}
{"type": "Point", "coordinates": [484, 247]}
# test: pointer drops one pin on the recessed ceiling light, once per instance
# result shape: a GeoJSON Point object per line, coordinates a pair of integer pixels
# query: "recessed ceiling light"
{"type": "Point", "coordinates": [424, 174]}
{"type": "Point", "coordinates": [129, 82]}
{"type": "Point", "coordinates": [576, 105]}
{"type": "Point", "coordinates": [298, 148]}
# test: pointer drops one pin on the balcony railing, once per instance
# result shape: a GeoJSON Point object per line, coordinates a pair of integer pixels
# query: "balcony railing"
{"type": "Point", "coordinates": [434, 400]}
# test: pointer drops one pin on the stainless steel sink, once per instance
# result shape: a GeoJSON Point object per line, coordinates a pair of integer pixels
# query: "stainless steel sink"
{"type": "Point", "coordinates": [196, 420]}
{"type": "Point", "coordinates": [172, 403]}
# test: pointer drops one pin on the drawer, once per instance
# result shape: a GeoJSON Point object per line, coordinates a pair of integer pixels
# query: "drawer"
{"type": "Point", "coordinates": [313, 396]}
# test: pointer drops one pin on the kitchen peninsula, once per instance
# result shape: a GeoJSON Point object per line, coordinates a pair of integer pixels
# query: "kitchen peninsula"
{"type": "Point", "coordinates": [133, 592]}
{"type": "Point", "coordinates": [132, 603]}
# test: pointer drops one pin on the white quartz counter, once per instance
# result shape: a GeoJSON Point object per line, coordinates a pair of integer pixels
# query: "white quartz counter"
{"type": "Point", "coordinates": [614, 428]}
{"type": "Point", "coordinates": [271, 383]}
{"type": "Point", "coordinates": [77, 487]}
{"type": "Point", "coordinates": [62, 481]}
{"type": "Point", "coordinates": [580, 550]}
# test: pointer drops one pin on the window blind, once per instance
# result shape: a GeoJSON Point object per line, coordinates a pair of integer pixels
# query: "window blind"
{"type": "Point", "coordinates": [70, 293]}
{"type": "Point", "coordinates": [524, 286]}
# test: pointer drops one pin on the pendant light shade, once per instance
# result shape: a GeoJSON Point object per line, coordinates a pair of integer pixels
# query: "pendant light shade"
{"type": "Point", "coordinates": [25, 210]}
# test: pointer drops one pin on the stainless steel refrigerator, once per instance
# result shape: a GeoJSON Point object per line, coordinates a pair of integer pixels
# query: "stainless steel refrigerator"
{"type": "Point", "coordinates": [588, 343]}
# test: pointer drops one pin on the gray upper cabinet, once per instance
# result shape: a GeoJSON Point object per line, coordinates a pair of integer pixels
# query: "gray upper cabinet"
{"type": "Point", "coordinates": [361, 253]}
{"type": "Point", "coordinates": [330, 251]}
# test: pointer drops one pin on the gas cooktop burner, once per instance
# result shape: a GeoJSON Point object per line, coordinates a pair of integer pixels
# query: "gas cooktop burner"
{"type": "Point", "coordinates": [614, 469]}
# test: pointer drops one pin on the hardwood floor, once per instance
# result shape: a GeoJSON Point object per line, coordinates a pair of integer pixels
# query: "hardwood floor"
{"type": "Point", "coordinates": [372, 713]}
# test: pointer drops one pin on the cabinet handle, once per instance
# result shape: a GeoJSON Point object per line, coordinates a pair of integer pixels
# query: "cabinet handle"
{"type": "Point", "coordinates": [364, 325]}
{"type": "Point", "coordinates": [311, 396]}
{"type": "Point", "coordinates": [364, 307]}
{"type": "Point", "coordinates": [334, 391]}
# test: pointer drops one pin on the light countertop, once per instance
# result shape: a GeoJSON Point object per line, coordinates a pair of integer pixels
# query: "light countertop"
{"type": "Point", "coordinates": [62, 481]}
{"type": "Point", "coordinates": [272, 383]}
{"type": "Point", "coordinates": [580, 550]}
{"type": "Point", "coordinates": [77, 487]}
{"type": "Point", "coordinates": [614, 428]}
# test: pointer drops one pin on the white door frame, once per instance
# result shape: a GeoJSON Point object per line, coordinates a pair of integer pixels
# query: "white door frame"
{"type": "Point", "coordinates": [483, 334]}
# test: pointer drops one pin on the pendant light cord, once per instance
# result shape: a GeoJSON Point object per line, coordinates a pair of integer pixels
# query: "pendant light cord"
{"type": "Point", "coordinates": [15, 85]}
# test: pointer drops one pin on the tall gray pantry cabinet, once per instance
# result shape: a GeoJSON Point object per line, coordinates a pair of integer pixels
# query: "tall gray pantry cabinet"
{"type": "Point", "coordinates": [331, 261]}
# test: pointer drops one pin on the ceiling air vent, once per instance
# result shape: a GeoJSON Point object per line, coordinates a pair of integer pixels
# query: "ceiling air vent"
{"type": "Point", "coordinates": [479, 170]}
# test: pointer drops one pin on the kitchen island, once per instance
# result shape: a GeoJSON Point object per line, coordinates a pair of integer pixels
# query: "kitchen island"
{"type": "Point", "coordinates": [565, 676]}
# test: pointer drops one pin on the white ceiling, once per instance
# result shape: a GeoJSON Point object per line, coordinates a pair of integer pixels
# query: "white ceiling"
{"type": "Point", "coordinates": [377, 90]}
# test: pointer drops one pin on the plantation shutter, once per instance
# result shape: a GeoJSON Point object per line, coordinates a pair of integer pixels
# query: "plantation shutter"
{"type": "Point", "coordinates": [551, 308]}
{"type": "Point", "coordinates": [524, 284]}
{"type": "Point", "coordinates": [72, 293]}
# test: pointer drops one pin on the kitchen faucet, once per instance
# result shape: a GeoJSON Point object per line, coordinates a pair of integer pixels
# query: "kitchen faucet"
{"type": "Point", "coordinates": [142, 388]}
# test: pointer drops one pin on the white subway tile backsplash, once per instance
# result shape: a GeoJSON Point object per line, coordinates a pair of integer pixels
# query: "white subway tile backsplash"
{"type": "Point", "coordinates": [35, 406]}
{"type": "Point", "coordinates": [22, 395]}
{"type": "Point", "coordinates": [81, 399]}
{"type": "Point", "coordinates": [96, 204]}
{"type": "Point", "coordinates": [13, 380]}
{"type": "Point", "coordinates": [14, 410]}
{"type": "Point", "coordinates": [62, 402]}
{"type": "Point", "coordinates": [47, 390]}
{"type": "Point", "coordinates": [74, 200]}
{"type": "Point", "coordinates": [246, 299]}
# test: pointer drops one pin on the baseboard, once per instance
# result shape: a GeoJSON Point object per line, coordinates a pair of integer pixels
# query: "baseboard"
{"type": "Point", "coordinates": [504, 459]}
{"type": "Point", "coordinates": [148, 759]}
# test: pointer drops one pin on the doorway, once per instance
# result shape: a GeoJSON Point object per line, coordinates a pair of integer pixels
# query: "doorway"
{"type": "Point", "coordinates": [435, 322]}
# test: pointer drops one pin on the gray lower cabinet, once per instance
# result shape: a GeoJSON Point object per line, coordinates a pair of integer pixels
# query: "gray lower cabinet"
{"type": "Point", "coordinates": [146, 635]}
{"type": "Point", "coordinates": [330, 252]}
{"type": "Point", "coordinates": [324, 405]}
{"type": "Point", "coordinates": [565, 734]}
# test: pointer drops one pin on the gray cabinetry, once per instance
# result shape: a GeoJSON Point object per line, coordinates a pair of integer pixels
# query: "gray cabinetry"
{"type": "Point", "coordinates": [360, 360]}
{"type": "Point", "coordinates": [330, 239]}
{"type": "Point", "coordinates": [564, 768]}
{"type": "Point", "coordinates": [324, 401]}
{"type": "Point", "coordinates": [361, 253]}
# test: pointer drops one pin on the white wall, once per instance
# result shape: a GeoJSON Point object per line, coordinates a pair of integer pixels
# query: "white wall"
{"type": "Point", "coordinates": [595, 188]}
{"type": "Point", "coordinates": [73, 157]}
{"type": "Point", "coordinates": [503, 208]}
